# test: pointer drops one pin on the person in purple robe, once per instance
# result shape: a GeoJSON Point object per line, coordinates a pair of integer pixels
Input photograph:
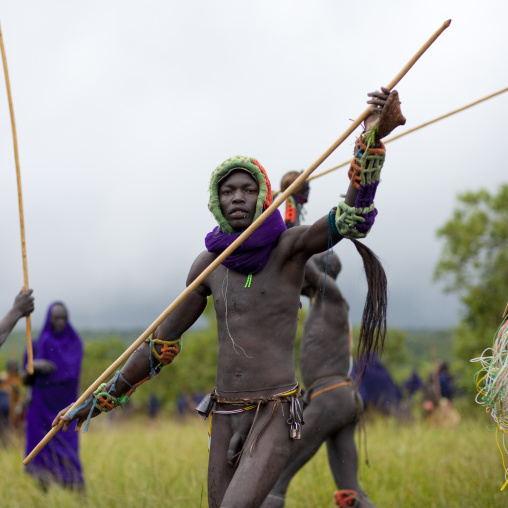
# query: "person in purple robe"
{"type": "Point", "coordinates": [57, 364]}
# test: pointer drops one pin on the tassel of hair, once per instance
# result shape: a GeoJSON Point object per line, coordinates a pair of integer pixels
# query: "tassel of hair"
{"type": "Point", "coordinates": [373, 327]}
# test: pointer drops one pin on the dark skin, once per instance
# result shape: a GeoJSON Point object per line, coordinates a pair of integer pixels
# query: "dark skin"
{"type": "Point", "coordinates": [253, 361]}
{"type": "Point", "coordinates": [331, 416]}
{"type": "Point", "coordinates": [23, 306]}
{"type": "Point", "coordinates": [58, 319]}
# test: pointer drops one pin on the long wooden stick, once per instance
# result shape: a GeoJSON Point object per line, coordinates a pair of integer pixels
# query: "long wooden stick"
{"type": "Point", "coordinates": [29, 350]}
{"type": "Point", "coordinates": [393, 138]}
{"type": "Point", "coordinates": [255, 225]}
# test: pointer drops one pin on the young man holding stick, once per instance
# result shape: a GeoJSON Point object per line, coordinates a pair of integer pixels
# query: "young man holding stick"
{"type": "Point", "coordinates": [256, 290]}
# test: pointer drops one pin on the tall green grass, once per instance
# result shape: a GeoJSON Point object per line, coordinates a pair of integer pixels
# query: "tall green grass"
{"type": "Point", "coordinates": [145, 463]}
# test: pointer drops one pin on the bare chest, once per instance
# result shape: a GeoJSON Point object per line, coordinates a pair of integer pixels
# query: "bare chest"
{"type": "Point", "coordinates": [250, 295]}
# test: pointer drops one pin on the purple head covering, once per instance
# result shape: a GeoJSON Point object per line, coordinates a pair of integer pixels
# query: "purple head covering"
{"type": "Point", "coordinates": [63, 348]}
{"type": "Point", "coordinates": [59, 459]}
{"type": "Point", "coordinates": [253, 254]}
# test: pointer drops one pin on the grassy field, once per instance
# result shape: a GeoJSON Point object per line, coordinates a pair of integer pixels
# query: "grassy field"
{"type": "Point", "coordinates": [145, 463]}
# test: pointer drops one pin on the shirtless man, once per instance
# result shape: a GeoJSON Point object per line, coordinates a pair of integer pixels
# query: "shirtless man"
{"type": "Point", "coordinates": [23, 306]}
{"type": "Point", "coordinates": [332, 407]}
{"type": "Point", "coordinates": [256, 291]}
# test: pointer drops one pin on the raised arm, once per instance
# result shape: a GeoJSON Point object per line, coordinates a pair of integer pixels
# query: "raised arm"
{"type": "Point", "coordinates": [148, 359]}
{"type": "Point", "coordinates": [317, 279]}
{"type": "Point", "coordinates": [354, 216]}
{"type": "Point", "coordinates": [23, 306]}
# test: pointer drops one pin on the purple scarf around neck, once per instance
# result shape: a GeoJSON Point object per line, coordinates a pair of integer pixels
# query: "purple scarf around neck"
{"type": "Point", "coordinates": [253, 254]}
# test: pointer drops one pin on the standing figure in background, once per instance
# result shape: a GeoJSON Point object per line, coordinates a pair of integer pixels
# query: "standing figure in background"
{"type": "Point", "coordinates": [331, 405]}
{"type": "Point", "coordinates": [295, 202]}
{"type": "Point", "coordinates": [57, 364]}
{"type": "Point", "coordinates": [23, 306]}
{"type": "Point", "coordinates": [438, 393]}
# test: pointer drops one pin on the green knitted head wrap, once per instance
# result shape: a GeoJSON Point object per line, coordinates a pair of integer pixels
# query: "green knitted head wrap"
{"type": "Point", "coordinates": [251, 165]}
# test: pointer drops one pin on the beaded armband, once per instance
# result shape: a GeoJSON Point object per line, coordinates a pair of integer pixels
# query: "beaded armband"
{"type": "Point", "coordinates": [367, 163]}
{"type": "Point", "coordinates": [105, 402]}
{"type": "Point", "coordinates": [290, 216]}
{"type": "Point", "coordinates": [332, 226]}
{"type": "Point", "coordinates": [364, 173]}
{"type": "Point", "coordinates": [354, 222]}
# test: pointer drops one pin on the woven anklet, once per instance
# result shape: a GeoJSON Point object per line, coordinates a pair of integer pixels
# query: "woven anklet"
{"type": "Point", "coordinates": [105, 402]}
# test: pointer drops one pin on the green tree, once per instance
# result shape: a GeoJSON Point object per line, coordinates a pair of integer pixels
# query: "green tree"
{"type": "Point", "coordinates": [474, 264]}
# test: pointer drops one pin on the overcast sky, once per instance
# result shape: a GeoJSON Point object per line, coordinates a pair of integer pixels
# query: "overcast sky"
{"type": "Point", "coordinates": [123, 109]}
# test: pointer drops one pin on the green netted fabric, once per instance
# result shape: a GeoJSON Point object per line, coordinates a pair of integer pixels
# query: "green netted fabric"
{"type": "Point", "coordinates": [250, 164]}
{"type": "Point", "coordinates": [348, 218]}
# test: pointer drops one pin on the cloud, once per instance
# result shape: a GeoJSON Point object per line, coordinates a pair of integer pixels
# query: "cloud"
{"type": "Point", "coordinates": [123, 109]}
